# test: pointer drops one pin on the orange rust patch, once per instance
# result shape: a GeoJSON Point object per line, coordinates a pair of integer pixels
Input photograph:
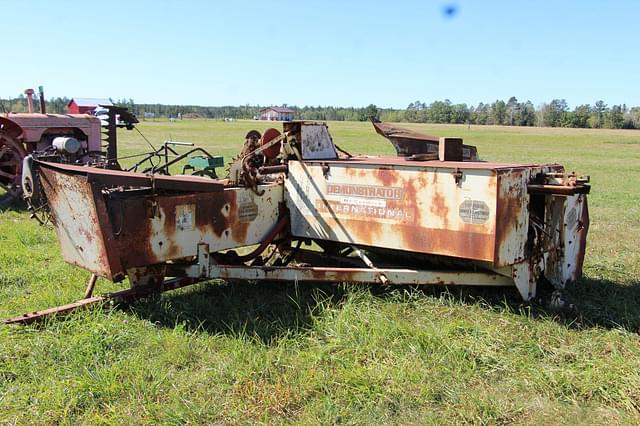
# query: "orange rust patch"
{"type": "Point", "coordinates": [386, 176]}
{"type": "Point", "coordinates": [409, 237]}
{"type": "Point", "coordinates": [447, 242]}
{"type": "Point", "coordinates": [422, 181]}
{"type": "Point", "coordinates": [362, 230]}
{"type": "Point", "coordinates": [411, 200]}
{"type": "Point", "coordinates": [439, 208]}
{"type": "Point", "coordinates": [355, 172]}
{"type": "Point", "coordinates": [137, 235]}
{"type": "Point", "coordinates": [238, 229]}
{"type": "Point", "coordinates": [508, 210]}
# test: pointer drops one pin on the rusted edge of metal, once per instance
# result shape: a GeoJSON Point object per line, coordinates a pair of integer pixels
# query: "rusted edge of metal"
{"type": "Point", "coordinates": [105, 229]}
{"type": "Point", "coordinates": [397, 276]}
{"type": "Point", "coordinates": [106, 177]}
{"type": "Point", "coordinates": [389, 131]}
{"type": "Point", "coordinates": [584, 221]}
{"type": "Point", "coordinates": [558, 189]}
{"type": "Point", "coordinates": [117, 297]}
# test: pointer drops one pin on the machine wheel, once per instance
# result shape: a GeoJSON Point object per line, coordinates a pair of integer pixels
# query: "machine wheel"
{"type": "Point", "coordinates": [11, 154]}
{"type": "Point", "coordinates": [269, 135]}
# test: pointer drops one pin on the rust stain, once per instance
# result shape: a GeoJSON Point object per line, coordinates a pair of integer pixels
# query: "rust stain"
{"type": "Point", "coordinates": [461, 244]}
{"type": "Point", "coordinates": [508, 210]}
{"type": "Point", "coordinates": [81, 229]}
{"type": "Point", "coordinates": [371, 231]}
{"type": "Point", "coordinates": [237, 229]}
{"type": "Point", "coordinates": [435, 175]}
{"type": "Point", "coordinates": [439, 208]}
{"type": "Point", "coordinates": [582, 240]}
{"type": "Point", "coordinates": [386, 176]}
{"type": "Point", "coordinates": [354, 172]}
{"type": "Point", "coordinates": [213, 214]}
{"type": "Point", "coordinates": [411, 200]}
{"type": "Point", "coordinates": [422, 180]}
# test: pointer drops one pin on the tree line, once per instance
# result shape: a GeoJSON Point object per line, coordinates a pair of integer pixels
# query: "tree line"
{"type": "Point", "coordinates": [514, 113]}
{"type": "Point", "coordinates": [510, 113]}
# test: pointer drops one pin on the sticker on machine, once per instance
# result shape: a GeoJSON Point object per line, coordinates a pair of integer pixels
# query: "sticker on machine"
{"type": "Point", "coordinates": [247, 208]}
{"type": "Point", "coordinates": [247, 211]}
{"type": "Point", "coordinates": [185, 217]}
{"type": "Point", "coordinates": [475, 212]}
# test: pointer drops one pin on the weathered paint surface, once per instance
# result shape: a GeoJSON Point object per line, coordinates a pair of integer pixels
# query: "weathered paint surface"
{"type": "Point", "coordinates": [483, 223]}
{"type": "Point", "coordinates": [512, 220]}
{"type": "Point", "coordinates": [108, 233]}
{"type": "Point", "coordinates": [356, 275]}
{"type": "Point", "coordinates": [474, 211]}
{"type": "Point", "coordinates": [413, 207]}
{"type": "Point", "coordinates": [317, 143]}
{"type": "Point", "coordinates": [155, 229]}
{"type": "Point", "coordinates": [570, 223]}
{"type": "Point", "coordinates": [76, 218]}
{"type": "Point", "coordinates": [33, 126]}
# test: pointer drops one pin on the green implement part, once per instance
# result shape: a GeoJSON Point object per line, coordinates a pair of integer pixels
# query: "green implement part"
{"type": "Point", "coordinates": [204, 165]}
{"type": "Point", "coordinates": [203, 162]}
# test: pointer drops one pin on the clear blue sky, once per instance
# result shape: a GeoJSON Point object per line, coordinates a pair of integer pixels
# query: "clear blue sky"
{"type": "Point", "coordinates": [346, 53]}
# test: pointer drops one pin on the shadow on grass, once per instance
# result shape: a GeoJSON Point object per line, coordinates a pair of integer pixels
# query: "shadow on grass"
{"type": "Point", "coordinates": [271, 310]}
{"type": "Point", "coordinates": [588, 303]}
{"type": "Point", "coordinates": [604, 303]}
{"type": "Point", "coordinates": [264, 310]}
{"type": "Point", "coordinates": [18, 206]}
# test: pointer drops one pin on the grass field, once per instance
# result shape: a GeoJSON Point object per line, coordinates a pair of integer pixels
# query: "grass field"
{"type": "Point", "coordinates": [333, 354]}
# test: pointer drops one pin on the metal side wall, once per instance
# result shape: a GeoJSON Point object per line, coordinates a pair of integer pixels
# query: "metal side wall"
{"type": "Point", "coordinates": [413, 207]}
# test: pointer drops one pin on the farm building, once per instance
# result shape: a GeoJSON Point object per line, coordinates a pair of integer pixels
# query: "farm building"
{"type": "Point", "coordinates": [85, 105]}
{"type": "Point", "coordinates": [276, 114]}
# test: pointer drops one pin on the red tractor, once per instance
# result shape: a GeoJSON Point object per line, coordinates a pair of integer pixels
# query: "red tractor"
{"type": "Point", "coordinates": [71, 138]}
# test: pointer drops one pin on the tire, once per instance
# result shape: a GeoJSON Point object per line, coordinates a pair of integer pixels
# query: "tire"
{"type": "Point", "coordinates": [12, 153]}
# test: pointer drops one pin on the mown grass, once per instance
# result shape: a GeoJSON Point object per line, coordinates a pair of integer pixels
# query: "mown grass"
{"type": "Point", "coordinates": [272, 353]}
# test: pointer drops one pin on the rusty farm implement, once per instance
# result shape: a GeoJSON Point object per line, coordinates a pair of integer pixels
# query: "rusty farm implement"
{"type": "Point", "coordinates": [295, 207]}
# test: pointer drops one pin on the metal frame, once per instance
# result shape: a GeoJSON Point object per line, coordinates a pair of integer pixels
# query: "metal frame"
{"type": "Point", "coordinates": [165, 152]}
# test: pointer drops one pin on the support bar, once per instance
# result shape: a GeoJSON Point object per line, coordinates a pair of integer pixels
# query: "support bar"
{"type": "Point", "coordinates": [354, 275]}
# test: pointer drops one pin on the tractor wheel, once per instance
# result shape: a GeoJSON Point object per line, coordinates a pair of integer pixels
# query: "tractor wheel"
{"type": "Point", "coordinates": [11, 154]}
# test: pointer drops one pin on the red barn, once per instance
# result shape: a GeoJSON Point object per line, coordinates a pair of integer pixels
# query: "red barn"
{"type": "Point", "coordinates": [85, 105]}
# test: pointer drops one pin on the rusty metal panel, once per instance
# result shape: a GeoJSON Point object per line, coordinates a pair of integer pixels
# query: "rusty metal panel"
{"type": "Point", "coordinates": [424, 208]}
{"type": "Point", "coordinates": [155, 229]}
{"type": "Point", "coordinates": [114, 178]}
{"type": "Point", "coordinates": [512, 222]}
{"type": "Point", "coordinates": [401, 161]}
{"type": "Point", "coordinates": [408, 142]}
{"type": "Point", "coordinates": [77, 221]}
{"type": "Point", "coordinates": [317, 143]}
{"type": "Point", "coordinates": [110, 231]}
{"type": "Point", "coordinates": [569, 221]}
